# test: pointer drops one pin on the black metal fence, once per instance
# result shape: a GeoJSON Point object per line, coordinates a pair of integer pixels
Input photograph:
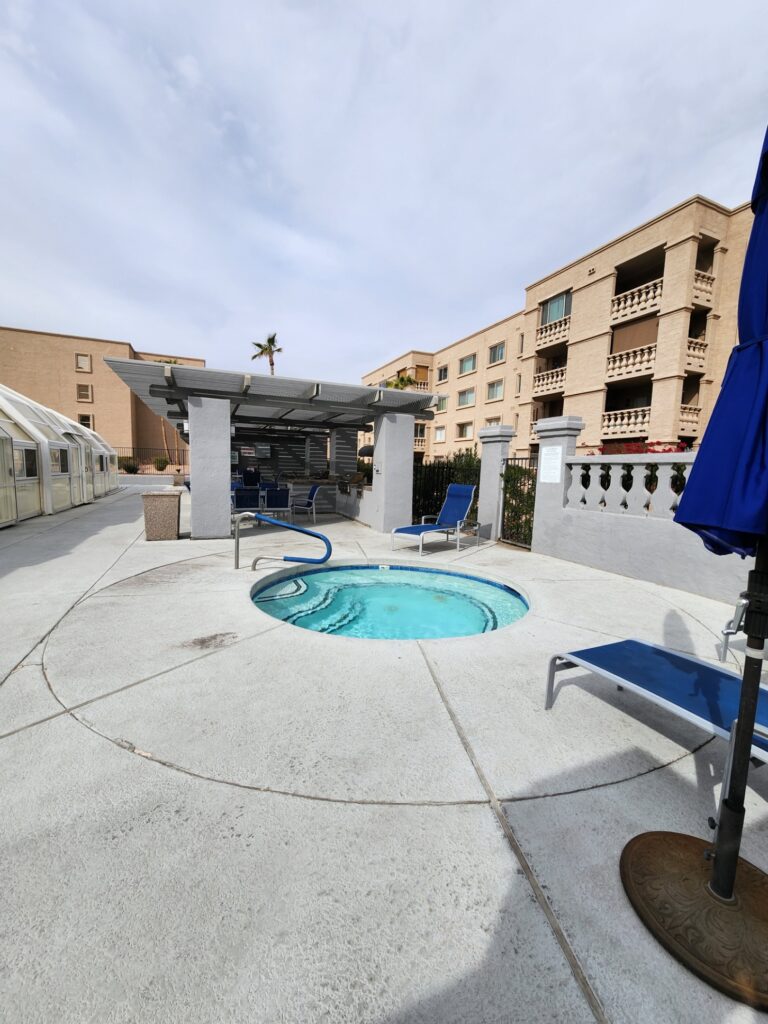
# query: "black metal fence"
{"type": "Point", "coordinates": [431, 479]}
{"type": "Point", "coordinates": [152, 460]}
{"type": "Point", "coordinates": [518, 500]}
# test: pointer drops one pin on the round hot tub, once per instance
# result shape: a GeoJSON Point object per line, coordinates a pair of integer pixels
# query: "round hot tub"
{"type": "Point", "coordinates": [389, 602]}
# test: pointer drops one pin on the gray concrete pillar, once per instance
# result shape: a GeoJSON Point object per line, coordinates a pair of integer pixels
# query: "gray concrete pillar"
{"type": "Point", "coordinates": [494, 450]}
{"type": "Point", "coordinates": [392, 491]}
{"type": "Point", "coordinates": [557, 440]}
{"type": "Point", "coordinates": [209, 467]}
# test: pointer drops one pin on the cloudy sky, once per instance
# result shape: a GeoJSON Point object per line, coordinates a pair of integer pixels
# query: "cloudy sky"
{"type": "Point", "coordinates": [361, 177]}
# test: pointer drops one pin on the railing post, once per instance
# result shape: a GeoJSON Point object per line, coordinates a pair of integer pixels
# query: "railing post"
{"type": "Point", "coordinates": [494, 451]}
{"type": "Point", "coordinates": [557, 441]}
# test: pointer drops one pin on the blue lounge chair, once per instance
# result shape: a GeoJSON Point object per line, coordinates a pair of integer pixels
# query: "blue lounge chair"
{"type": "Point", "coordinates": [307, 504]}
{"type": "Point", "coordinates": [450, 520]}
{"type": "Point", "coordinates": [694, 690]}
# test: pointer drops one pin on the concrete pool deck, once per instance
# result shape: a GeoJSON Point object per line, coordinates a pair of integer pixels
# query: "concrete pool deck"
{"type": "Point", "coordinates": [214, 816]}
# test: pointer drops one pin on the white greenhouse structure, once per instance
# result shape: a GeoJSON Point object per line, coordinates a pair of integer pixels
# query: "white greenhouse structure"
{"type": "Point", "coordinates": [47, 461]}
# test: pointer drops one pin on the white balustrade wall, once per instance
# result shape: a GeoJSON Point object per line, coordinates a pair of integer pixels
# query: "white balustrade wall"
{"type": "Point", "coordinates": [616, 513]}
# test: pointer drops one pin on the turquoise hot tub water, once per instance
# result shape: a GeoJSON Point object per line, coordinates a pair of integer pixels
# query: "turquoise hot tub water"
{"type": "Point", "coordinates": [390, 602]}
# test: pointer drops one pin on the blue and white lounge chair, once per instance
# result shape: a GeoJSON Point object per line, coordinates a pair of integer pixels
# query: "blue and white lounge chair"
{"type": "Point", "coordinates": [453, 516]}
{"type": "Point", "coordinates": [689, 688]}
{"type": "Point", "coordinates": [307, 504]}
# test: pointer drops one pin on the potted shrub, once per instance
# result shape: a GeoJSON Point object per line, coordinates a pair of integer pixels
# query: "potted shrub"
{"type": "Point", "coordinates": [160, 463]}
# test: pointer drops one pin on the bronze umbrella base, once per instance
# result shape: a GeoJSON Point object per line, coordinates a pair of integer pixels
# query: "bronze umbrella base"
{"type": "Point", "coordinates": [666, 877]}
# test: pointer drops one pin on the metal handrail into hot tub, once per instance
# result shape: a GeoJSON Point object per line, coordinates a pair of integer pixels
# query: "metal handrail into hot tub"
{"type": "Point", "coordinates": [261, 518]}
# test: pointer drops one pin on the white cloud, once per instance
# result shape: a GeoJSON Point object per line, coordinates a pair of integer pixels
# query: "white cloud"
{"type": "Point", "coordinates": [359, 178]}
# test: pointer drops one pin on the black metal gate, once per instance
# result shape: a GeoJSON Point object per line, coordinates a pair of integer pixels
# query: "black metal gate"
{"type": "Point", "coordinates": [431, 479]}
{"type": "Point", "coordinates": [518, 500]}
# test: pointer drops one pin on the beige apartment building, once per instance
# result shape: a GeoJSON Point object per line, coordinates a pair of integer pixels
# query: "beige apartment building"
{"type": "Point", "coordinates": [67, 373]}
{"type": "Point", "coordinates": [633, 337]}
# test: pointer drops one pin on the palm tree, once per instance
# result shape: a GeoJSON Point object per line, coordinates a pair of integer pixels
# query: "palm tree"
{"type": "Point", "coordinates": [402, 382]}
{"type": "Point", "coordinates": [267, 348]}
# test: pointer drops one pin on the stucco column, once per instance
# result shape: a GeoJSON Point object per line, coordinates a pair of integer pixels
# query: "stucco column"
{"type": "Point", "coordinates": [557, 437]}
{"type": "Point", "coordinates": [392, 472]}
{"type": "Point", "coordinates": [209, 467]}
{"type": "Point", "coordinates": [495, 449]}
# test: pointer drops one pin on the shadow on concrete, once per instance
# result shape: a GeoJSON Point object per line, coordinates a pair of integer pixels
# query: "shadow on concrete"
{"type": "Point", "coordinates": [479, 995]}
{"type": "Point", "coordinates": [45, 538]}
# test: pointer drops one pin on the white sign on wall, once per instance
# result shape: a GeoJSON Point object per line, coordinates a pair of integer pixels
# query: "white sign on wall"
{"type": "Point", "coordinates": [550, 464]}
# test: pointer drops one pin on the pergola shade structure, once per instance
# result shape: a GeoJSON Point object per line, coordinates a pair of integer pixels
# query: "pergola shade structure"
{"type": "Point", "coordinates": [263, 401]}
{"type": "Point", "coordinates": [217, 409]}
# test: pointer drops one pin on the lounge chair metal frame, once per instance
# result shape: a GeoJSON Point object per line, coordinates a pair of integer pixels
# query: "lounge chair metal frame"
{"type": "Point", "coordinates": [560, 662]}
{"type": "Point", "coordinates": [436, 526]}
{"type": "Point", "coordinates": [733, 626]}
{"type": "Point", "coordinates": [759, 755]}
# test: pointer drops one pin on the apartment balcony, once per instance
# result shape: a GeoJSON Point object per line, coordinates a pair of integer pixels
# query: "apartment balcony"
{"type": "Point", "coordinates": [555, 333]}
{"type": "Point", "coordinates": [689, 419]}
{"type": "Point", "coordinates": [637, 301]}
{"type": "Point", "coordinates": [635, 362]}
{"type": "Point", "coordinates": [550, 382]}
{"type": "Point", "coordinates": [420, 385]}
{"type": "Point", "coordinates": [703, 286]}
{"type": "Point", "coordinates": [627, 422]}
{"type": "Point", "coordinates": [419, 442]}
{"type": "Point", "coordinates": [695, 355]}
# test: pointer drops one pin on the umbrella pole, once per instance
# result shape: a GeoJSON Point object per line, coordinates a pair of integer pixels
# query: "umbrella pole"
{"type": "Point", "coordinates": [731, 818]}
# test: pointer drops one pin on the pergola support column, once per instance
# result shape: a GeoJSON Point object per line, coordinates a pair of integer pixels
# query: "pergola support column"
{"type": "Point", "coordinates": [209, 467]}
{"type": "Point", "coordinates": [392, 472]}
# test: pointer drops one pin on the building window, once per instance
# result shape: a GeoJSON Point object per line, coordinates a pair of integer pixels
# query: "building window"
{"type": "Point", "coordinates": [59, 460]}
{"type": "Point", "coordinates": [442, 404]}
{"type": "Point", "coordinates": [85, 419]}
{"type": "Point", "coordinates": [496, 353]}
{"type": "Point", "coordinates": [495, 391]}
{"type": "Point", "coordinates": [85, 392]}
{"type": "Point", "coordinates": [467, 364]}
{"type": "Point", "coordinates": [464, 431]}
{"type": "Point", "coordinates": [83, 362]}
{"type": "Point", "coordinates": [521, 344]}
{"type": "Point", "coordinates": [494, 421]}
{"type": "Point", "coordinates": [517, 419]}
{"type": "Point", "coordinates": [466, 398]}
{"type": "Point", "coordinates": [518, 383]}
{"type": "Point", "coordinates": [556, 308]}
{"type": "Point", "coordinates": [419, 430]}
{"type": "Point", "coordinates": [24, 463]}
{"type": "Point", "coordinates": [442, 374]}
{"type": "Point", "coordinates": [439, 434]}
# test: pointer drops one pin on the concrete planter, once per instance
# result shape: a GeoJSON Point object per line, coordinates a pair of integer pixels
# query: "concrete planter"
{"type": "Point", "coordinates": [161, 513]}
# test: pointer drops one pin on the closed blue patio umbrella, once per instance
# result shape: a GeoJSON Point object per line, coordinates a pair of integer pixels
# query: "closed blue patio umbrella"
{"type": "Point", "coordinates": [717, 924]}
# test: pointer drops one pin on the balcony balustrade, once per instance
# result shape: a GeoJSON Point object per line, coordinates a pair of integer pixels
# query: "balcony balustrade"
{"type": "Point", "coordinates": [703, 285]}
{"type": "Point", "coordinates": [635, 362]}
{"type": "Point", "coordinates": [689, 419]}
{"type": "Point", "coordinates": [419, 442]}
{"type": "Point", "coordinates": [695, 355]}
{"type": "Point", "coordinates": [627, 422]}
{"type": "Point", "coordinates": [549, 382]}
{"type": "Point", "coordinates": [553, 333]}
{"type": "Point", "coordinates": [637, 301]}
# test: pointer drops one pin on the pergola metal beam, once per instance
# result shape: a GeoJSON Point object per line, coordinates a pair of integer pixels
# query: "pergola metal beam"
{"type": "Point", "coordinates": [301, 404]}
